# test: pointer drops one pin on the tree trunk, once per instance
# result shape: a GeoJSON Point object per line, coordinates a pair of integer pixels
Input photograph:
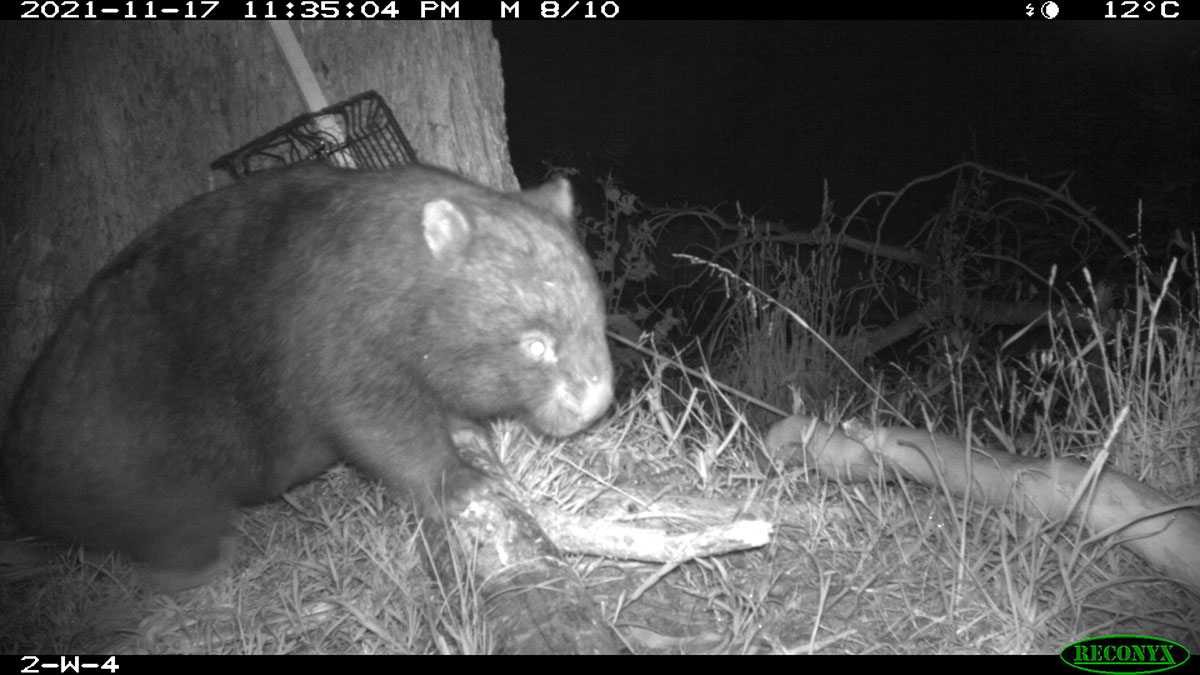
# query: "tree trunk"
{"type": "Point", "coordinates": [110, 124]}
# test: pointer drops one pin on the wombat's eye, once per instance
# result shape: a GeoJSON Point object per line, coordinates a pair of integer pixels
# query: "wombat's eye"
{"type": "Point", "coordinates": [539, 347]}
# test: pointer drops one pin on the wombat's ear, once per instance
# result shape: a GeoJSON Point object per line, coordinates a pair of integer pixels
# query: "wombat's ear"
{"type": "Point", "coordinates": [555, 196]}
{"type": "Point", "coordinates": [447, 229]}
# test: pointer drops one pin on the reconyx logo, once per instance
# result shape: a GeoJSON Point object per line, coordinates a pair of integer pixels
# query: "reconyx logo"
{"type": "Point", "coordinates": [1125, 654]}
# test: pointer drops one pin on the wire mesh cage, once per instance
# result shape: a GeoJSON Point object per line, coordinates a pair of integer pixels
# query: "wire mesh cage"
{"type": "Point", "coordinates": [360, 132]}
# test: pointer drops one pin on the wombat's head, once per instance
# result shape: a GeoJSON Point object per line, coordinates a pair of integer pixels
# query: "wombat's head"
{"type": "Point", "coordinates": [519, 322]}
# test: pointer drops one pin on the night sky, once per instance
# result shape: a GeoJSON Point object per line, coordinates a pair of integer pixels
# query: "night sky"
{"type": "Point", "coordinates": [762, 112]}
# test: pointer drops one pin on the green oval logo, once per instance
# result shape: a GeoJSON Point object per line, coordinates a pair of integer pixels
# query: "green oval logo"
{"type": "Point", "coordinates": [1125, 654]}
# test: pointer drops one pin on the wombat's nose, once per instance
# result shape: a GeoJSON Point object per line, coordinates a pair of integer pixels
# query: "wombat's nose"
{"type": "Point", "coordinates": [596, 397]}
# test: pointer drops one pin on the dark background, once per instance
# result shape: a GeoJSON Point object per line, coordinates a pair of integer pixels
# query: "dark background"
{"type": "Point", "coordinates": [762, 112]}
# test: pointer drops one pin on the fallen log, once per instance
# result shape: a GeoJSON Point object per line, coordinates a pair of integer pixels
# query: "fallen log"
{"type": "Point", "coordinates": [1164, 532]}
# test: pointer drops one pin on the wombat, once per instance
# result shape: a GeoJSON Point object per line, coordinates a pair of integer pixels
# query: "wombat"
{"type": "Point", "coordinates": [309, 315]}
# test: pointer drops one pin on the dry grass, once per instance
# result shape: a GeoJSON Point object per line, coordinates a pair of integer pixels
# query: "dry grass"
{"type": "Point", "coordinates": [338, 567]}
